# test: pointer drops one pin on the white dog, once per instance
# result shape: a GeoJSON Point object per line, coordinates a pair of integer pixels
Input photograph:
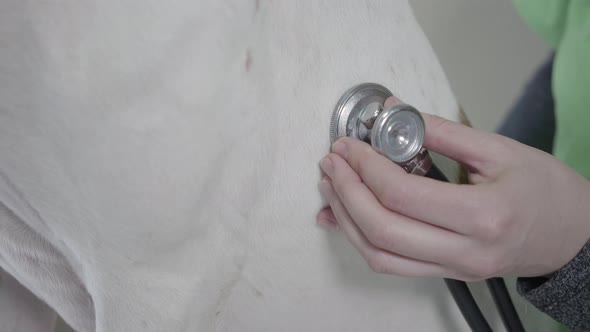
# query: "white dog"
{"type": "Point", "coordinates": [159, 163]}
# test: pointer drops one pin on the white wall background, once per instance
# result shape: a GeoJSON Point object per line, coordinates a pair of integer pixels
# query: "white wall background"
{"type": "Point", "coordinates": [486, 50]}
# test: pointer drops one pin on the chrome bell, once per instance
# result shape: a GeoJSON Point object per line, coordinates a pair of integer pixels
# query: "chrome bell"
{"type": "Point", "coordinates": [396, 132]}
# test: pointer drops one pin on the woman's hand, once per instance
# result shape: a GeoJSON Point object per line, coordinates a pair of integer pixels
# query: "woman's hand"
{"type": "Point", "coordinates": [524, 214]}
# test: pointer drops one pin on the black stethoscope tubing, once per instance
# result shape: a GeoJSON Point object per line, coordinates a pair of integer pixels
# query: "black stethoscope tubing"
{"type": "Point", "coordinates": [497, 287]}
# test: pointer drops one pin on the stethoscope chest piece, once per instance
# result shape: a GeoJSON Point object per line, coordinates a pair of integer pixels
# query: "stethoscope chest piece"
{"type": "Point", "coordinates": [397, 132]}
{"type": "Point", "coordinates": [347, 113]}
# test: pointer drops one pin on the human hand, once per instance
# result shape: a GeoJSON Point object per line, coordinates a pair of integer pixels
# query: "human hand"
{"type": "Point", "coordinates": [524, 214]}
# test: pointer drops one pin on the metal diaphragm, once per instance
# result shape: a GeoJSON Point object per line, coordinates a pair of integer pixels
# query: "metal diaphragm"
{"type": "Point", "coordinates": [396, 132]}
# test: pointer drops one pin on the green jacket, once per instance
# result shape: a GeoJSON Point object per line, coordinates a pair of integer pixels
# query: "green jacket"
{"type": "Point", "coordinates": [565, 26]}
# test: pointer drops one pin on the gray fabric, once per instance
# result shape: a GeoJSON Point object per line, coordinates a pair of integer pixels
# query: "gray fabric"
{"type": "Point", "coordinates": [531, 120]}
{"type": "Point", "coordinates": [565, 296]}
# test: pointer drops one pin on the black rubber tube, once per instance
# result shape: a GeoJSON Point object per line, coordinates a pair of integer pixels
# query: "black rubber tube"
{"type": "Point", "coordinates": [459, 290]}
{"type": "Point", "coordinates": [497, 288]}
{"type": "Point", "coordinates": [503, 302]}
{"type": "Point", "coordinates": [467, 305]}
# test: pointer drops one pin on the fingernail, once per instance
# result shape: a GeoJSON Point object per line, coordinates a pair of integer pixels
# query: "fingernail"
{"type": "Point", "coordinates": [328, 223]}
{"type": "Point", "coordinates": [327, 166]}
{"type": "Point", "coordinates": [391, 101]}
{"type": "Point", "coordinates": [325, 218]}
{"type": "Point", "coordinates": [339, 148]}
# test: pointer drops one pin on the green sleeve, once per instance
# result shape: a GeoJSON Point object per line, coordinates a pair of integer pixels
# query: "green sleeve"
{"type": "Point", "coordinates": [571, 82]}
{"type": "Point", "coordinates": [545, 17]}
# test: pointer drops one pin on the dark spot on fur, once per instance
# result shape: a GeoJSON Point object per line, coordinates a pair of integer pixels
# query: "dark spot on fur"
{"type": "Point", "coordinates": [257, 5]}
{"type": "Point", "coordinates": [248, 63]}
{"type": "Point", "coordinates": [257, 292]}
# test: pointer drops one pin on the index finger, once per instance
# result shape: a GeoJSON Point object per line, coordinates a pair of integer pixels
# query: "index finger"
{"type": "Point", "coordinates": [447, 205]}
{"type": "Point", "coordinates": [471, 147]}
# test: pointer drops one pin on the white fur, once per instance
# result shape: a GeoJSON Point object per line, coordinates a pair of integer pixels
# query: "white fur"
{"type": "Point", "coordinates": [21, 311]}
{"type": "Point", "coordinates": [159, 161]}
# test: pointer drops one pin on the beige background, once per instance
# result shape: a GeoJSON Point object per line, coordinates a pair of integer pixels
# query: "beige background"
{"type": "Point", "coordinates": [485, 49]}
{"type": "Point", "coordinates": [487, 54]}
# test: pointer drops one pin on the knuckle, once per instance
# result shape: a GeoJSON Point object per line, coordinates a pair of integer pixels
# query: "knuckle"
{"type": "Point", "coordinates": [362, 163]}
{"type": "Point", "coordinates": [380, 238]}
{"type": "Point", "coordinates": [388, 196]}
{"type": "Point", "coordinates": [440, 124]}
{"type": "Point", "coordinates": [495, 222]}
{"type": "Point", "coordinates": [378, 264]}
{"type": "Point", "coordinates": [494, 228]}
{"type": "Point", "coordinates": [498, 144]}
{"type": "Point", "coordinates": [392, 197]}
{"type": "Point", "coordinates": [443, 127]}
{"type": "Point", "coordinates": [502, 147]}
{"type": "Point", "coordinates": [365, 159]}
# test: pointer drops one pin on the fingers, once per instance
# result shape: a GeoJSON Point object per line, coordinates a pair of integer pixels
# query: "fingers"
{"type": "Point", "coordinates": [378, 260]}
{"type": "Point", "coordinates": [391, 101]}
{"type": "Point", "coordinates": [474, 148]}
{"type": "Point", "coordinates": [326, 218]}
{"type": "Point", "coordinates": [388, 230]}
{"type": "Point", "coordinates": [445, 205]}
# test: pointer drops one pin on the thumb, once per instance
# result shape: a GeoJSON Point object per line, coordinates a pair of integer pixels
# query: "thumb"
{"type": "Point", "coordinates": [473, 148]}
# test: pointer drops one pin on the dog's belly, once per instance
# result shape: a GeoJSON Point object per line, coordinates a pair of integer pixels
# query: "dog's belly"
{"type": "Point", "coordinates": [169, 151]}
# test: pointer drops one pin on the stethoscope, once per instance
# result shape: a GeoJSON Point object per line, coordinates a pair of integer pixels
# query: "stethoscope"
{"type": "Point", "coordinates": [397, 132]}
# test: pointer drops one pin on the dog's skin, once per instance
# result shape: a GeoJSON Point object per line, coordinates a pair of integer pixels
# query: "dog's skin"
{"type": "Point", "coordinates": [159, 162]}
